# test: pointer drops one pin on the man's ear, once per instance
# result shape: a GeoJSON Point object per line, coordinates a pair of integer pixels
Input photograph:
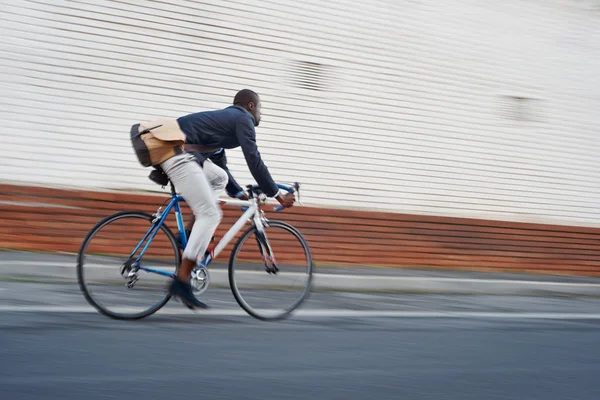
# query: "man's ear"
{"type": "Point", "coordinates": [251, 105]}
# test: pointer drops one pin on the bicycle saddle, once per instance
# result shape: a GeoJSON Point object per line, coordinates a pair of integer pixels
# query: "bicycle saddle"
{"type": "Point", "coordinates": [158, 176]}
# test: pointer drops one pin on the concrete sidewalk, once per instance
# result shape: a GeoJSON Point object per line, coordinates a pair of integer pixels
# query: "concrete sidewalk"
{"type": "Point", "coordinates": [62, 268]}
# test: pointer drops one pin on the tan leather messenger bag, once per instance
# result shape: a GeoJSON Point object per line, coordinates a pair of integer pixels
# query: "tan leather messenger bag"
{"type": "Point", "coordinates": [156, 141]}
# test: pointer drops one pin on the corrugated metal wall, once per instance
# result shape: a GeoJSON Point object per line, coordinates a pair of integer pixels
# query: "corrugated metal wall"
{"type": "Point", "coordinates": [456, 108]}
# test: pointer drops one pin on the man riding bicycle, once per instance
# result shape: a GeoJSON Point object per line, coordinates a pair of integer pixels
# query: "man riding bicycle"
{"type": "Point", "coordinates": [220, 179]}
{"type": "Point", "coordinates": [199, 180]}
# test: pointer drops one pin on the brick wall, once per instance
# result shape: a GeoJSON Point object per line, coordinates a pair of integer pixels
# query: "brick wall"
{"type": "Point", "coordinates": [46, 219]}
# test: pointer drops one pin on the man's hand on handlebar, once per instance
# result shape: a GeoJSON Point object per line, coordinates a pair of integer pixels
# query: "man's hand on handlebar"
{"type": "Point", "coordinates": [287, 199]}
{"type": "Point", "coordinates": [286, 196]}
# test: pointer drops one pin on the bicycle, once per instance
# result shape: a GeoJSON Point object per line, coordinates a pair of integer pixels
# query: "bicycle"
{"type": "Point", "coordinates": [131, 268]}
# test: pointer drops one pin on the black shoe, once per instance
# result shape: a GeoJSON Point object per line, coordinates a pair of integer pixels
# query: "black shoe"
{"type": "Point", "coordinates": [183, 290]}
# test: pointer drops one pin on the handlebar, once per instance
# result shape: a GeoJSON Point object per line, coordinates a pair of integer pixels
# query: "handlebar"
{"type": "Point", "coordinates": [290, 189]}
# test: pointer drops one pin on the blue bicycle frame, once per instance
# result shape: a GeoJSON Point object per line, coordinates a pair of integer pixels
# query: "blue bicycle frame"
{"type": "Point", "coordinates": [250, 208]}
{"type": "Point", "coordinates": [174, 203]}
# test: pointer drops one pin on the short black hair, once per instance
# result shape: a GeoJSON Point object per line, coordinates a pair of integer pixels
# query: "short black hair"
{"type": "Point", "coordinates": [245, 96]}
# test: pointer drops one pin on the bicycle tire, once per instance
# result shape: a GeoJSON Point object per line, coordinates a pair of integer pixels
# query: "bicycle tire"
{"type": "Point", "coordinates": [234, 288]}
{"type": "Point", "coordinates": [80, 274]}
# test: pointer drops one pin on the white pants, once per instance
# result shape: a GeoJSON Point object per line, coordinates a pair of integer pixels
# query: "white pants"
{"type": "Point", "coordinates": [200, 187]}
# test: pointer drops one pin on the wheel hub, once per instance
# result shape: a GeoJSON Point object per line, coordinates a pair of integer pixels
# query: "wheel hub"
{"type": "Point", "coordinates": [129, 271]}
{"type": "Point", "coordinates": [128, 266]}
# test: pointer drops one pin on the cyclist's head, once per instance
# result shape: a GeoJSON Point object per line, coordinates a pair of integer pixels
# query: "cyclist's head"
{"type": "Point", "coordinates": [250, 101]}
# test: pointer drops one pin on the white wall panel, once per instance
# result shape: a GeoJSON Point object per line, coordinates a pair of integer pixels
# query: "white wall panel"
{"type": "Point", "coordinates": [416, 110]}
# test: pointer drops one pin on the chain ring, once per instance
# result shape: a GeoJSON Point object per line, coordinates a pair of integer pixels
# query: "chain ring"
{"type": "Point", "coordinates": [199, 281]}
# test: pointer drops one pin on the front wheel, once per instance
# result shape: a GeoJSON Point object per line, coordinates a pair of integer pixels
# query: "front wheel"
{"type": "Point", "coordinates": [270, 273]}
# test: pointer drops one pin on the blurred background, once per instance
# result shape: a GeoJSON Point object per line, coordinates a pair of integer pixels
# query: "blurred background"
{"type": "Point", "coordinates": [458, 134]}
{"type": "Point", "coordinates": [451, 145]}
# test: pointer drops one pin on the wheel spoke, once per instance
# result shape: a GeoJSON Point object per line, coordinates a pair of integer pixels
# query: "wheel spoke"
{"type": "Point", "coordinates": [286, 285]}
{"type": "Point", "coordinates": [109, 274]}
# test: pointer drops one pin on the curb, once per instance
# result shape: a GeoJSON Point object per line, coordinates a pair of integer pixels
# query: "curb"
{"type": "Point", "coordinates": [455, 285]}
{"type": "Point", "coordinates": [57, 272]}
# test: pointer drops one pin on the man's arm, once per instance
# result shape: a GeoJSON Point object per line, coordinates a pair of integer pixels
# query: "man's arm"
{"type": "Point", "coordinates": [233, 188]}
{"type": "Point", "coordinates": [247, 138]}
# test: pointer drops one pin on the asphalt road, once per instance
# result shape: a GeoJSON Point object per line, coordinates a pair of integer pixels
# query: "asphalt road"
{"type": "Point", "coordinates": [338, 348]}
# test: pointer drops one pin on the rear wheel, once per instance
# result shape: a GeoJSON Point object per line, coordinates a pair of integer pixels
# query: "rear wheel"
{"type": "Point", "coordinates": [107, 275]}
{"type": "Point", "coordinates": [270, 274]}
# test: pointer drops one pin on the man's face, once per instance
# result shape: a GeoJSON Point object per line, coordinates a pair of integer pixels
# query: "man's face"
{"type": "Point", "coordinates": [255, 111]}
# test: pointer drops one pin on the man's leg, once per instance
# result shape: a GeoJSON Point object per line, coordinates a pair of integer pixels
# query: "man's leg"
{"type": "Point", "coordinates": [191, 183]}
{"type": "Point", "coordinates": [217, 178]}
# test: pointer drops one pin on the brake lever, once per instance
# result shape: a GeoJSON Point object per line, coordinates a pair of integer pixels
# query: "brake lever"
{"type": "Point", "coordinates": [297, 187]}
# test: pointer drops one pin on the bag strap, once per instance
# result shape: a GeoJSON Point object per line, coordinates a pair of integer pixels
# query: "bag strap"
{"type": "Point", "coordinates": [199, 148]}
{"type": "Point", "coordinates": [146, 131]}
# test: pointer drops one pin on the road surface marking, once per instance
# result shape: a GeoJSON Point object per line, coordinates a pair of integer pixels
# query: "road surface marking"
{"type": "Point", "coordinates": [333, 277]}
{"type": "Point", "coordinates": [324, 313]}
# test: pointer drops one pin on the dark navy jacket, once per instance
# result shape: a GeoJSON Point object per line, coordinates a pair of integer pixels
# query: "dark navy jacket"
{"type": "Point", "coordinates": [230, 128]}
